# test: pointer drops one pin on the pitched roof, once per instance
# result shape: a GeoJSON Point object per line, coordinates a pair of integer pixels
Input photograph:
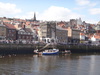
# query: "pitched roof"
{"type": "Point", "coordinates": [10, 26]}
{"type": "Point", "coordinates": [20, 20]}
{"type": "Point", "coordinates": [28, 30]}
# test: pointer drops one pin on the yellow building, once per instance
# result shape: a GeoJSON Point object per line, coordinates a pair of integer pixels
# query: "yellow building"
{"type": "Point", "coordinates": [73, 35]}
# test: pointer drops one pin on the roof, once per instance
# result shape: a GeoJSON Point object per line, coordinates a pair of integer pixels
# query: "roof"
{"type": "Point", "coordinates": [97, 36]}
{"type": "Point", "coordinates": [60, 28]}
{"type": "Point", "coordinates": [20, 20]}
{"type": "Point", "coordinates": [27, 30]}
{"type": "Point", "coordinates": [10, 26]}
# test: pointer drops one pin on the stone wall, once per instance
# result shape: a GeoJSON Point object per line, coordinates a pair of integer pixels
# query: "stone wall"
{"type": "Point", "coordinates": [16, 48]}
{"type": "Point", "coordinates": [29, 48]}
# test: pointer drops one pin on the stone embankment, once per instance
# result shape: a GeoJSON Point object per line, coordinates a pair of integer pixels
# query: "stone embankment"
{"type": "Point", "coordinates": [29, 48]}
{"type": "Point", "coordinates": [16, 48]}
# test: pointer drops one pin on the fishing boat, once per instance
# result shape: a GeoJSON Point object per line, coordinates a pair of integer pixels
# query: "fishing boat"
{"type": "Point", "coordinates": [50, 52]}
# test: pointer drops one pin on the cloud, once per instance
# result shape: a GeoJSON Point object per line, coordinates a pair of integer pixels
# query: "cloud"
{"type": "Point", "coordinates": [86, 3]}
{"type": "Point", "coordinates": [82, 2]}
{"type": "Point", "coordinates": [93, 4]}
{"type": "Point", "coordinates": [8, 9]}
{"type": "Point", "coordinates": [58, 13]}
{"type": "Point", "coordinates": [28, 15]}
{"type": "Point", "coordinates": [90, 20]}
{"type": "Point", "coordinates": [94, 11]}
{"type": "Point", "coordinates": [53, 13]}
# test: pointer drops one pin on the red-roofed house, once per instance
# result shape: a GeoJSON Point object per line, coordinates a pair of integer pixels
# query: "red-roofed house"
{"type": "Point", "coordinates": [10, 31]}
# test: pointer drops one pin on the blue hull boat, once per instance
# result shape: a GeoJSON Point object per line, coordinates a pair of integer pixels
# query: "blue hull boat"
{"type": "Point", "coordinates": [50, 52]}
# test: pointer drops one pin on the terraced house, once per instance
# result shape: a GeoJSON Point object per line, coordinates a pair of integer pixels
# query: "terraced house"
{"type": "Point", "coordinates": [25, 35]}
{"type": "Point", "coordinates": [10, 31]}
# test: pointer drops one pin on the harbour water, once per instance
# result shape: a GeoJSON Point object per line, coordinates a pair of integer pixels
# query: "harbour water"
{"type": "Point", "coordinates": [73, 64]}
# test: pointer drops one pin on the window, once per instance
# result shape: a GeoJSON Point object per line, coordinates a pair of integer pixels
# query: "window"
{"type": "Point", "coordinates": [2, 29]}
{"type": "Point", "coordinates": [18, 32]}
{"type": "Point", "coordinates": [19, 37]}
{"type": "Point", "coordinates": [28, 33]}
{"type": "Point", "coordinates": [13, 30]}
{"type": "Point", "coordinates": [30, 37]}
{"type": "Point", "coordinates": [9, 31]}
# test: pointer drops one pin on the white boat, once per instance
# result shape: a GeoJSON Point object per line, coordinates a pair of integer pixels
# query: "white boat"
{"type": "Point", "coordinates": [48, 52]}
{"type": "Point", "coordinates": [66, 52]}
{"type": "Point", "coordinates": [36, 51]}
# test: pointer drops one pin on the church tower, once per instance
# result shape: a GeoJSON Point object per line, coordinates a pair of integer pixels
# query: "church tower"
{"type": "Point", "coordinates": [34, 19]}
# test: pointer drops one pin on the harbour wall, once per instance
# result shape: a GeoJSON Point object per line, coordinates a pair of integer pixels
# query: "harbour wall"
{"type": "Point", "coordinates": [16, 48]}
{"type": "Point", "coordinates": [29, 48]}
{"type": "Point", "coordinates": [80, 48]}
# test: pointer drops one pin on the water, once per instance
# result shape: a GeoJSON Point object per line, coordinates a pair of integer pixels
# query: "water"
{"type": "Point", "coordinates": [74, 64]}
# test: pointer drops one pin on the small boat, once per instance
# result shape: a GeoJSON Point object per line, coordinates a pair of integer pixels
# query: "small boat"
{"type": "Point", "coordinates": [50, 52]}
{"type": "Point", "coordinates": [36, 51]}
{"type": "Point", "coordinates": [68, 51]}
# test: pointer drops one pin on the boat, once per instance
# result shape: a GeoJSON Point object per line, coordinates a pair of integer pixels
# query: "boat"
{"type": "Point", "coordinates": [44, 51]}
{"type": "Point", "coordinates": [66, 52]}
{"type": "Point", "coordinates": [50, 52]}
{"type": "Point", "coordinates": [36, 51]}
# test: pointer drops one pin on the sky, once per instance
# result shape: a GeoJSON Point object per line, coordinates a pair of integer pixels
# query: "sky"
{"type": "Point", "coordinates": [52, 10]}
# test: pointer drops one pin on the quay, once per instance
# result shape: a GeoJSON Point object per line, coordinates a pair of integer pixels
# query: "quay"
{"type": "Point", "coordinates": [80, 48]}
{"type": "Point", "coordinates": [29, 48]}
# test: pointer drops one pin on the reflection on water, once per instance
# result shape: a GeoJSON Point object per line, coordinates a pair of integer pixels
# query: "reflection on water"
{"type": "Point", "coordinates": [74, 64]}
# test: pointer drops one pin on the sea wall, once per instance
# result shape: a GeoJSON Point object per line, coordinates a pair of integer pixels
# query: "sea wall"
{"type": "Point", "coordinates": [80, 48]}
{"type": "Point", "coordinates": [16, 48]}
{"type": "Point", "coordinates": [29, 48]}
